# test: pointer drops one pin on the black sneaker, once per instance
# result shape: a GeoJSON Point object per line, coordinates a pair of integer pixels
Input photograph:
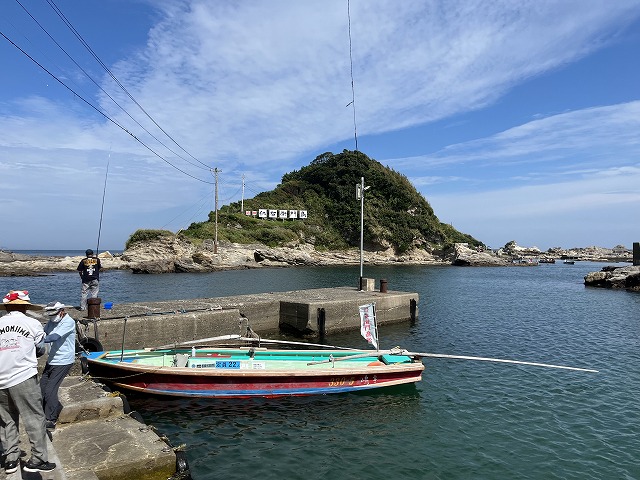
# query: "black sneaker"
{"type": "Point", "coordinates": [50, 425]}
{"type": "Point", "coordinates": [33, 466]}
{"type": "Point", "coordinates": [10, 467]}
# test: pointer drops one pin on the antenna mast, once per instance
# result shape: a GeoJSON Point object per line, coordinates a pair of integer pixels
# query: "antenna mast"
{"type": "Point", "coordinates": [353, 92]}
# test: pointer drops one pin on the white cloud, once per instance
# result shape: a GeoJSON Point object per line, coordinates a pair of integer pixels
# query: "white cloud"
{"type": "Point", "coordinates": [597, 208]}
{"type": "Point", "coordinates": [254, 87]}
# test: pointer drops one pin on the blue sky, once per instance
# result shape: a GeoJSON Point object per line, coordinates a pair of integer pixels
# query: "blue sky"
{"type": "Point", "coordinates": [515, 120]}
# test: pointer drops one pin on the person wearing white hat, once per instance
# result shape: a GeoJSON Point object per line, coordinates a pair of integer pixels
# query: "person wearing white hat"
{"type": "Point", "coordinates": [60, 333]}
{"type": "Point", "coordinates": [20, 398]}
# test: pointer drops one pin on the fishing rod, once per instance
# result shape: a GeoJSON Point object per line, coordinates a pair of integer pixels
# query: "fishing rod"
{"type": "Point", "coordinates": [104, 192]}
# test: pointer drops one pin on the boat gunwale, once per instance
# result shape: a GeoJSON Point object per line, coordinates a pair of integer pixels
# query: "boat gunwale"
{"type": "Point", "coordinates": [363, 369]}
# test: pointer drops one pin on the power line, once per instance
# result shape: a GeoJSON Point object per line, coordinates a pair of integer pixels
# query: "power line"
{"type": "Point", "coordinates": [104, 91]}
{"type": "Point", "coordinates": [252, 190]}
{"type": "Point", "coordinates": [100, 111]}
{"type": "Point", "coordinates": [115, 79]}
{"type": "Point", "coordinates": [200, 203]}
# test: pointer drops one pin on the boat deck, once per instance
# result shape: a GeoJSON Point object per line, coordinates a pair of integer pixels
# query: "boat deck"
{"type": "Point", "coordinates": [256, 359]}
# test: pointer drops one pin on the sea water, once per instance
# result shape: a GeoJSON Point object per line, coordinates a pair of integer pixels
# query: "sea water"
{"type": "Point", "coordinates": [464, 420]}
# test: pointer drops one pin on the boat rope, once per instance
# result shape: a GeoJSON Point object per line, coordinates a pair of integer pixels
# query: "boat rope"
{"type": "Point", "coordinates": [124, 376]}
{"type": "Point", "coordinates": [169, 312]}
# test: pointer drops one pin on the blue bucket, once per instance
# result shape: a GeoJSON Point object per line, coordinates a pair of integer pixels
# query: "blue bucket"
{"type": "Point", "coordinates": [108, 305]}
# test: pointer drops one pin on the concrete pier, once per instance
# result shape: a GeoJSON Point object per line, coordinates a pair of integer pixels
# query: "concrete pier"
{"type": "Point", "coordinates": [95, 440]}
{"type": "Point", "coordinates": [96, 437]}
{"type": "Point", "coordinates": [307, 312]}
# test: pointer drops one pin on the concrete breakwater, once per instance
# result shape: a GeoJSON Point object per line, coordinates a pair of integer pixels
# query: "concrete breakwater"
{"type": "Point", "coordinates": [304, 312]}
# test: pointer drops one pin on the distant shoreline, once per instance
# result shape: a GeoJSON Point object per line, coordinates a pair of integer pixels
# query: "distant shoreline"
{"type": "Point", "coordinates": [56, 253]}
{"type": "Point", "coordinates": [174, 255]}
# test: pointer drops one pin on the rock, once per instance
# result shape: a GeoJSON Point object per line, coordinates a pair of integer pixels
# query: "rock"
{"type": "Point", "coordinates": [153, 266]}
{"type": "Point", "coordinates": [187, 265]}
{"type": "Point", "coordinates": [169, 254]}
{"type": "Point", "coordinates": [36, 265]}
{"type": "Point", "coordinates": [594, 254]}
{"type": "Point", "coordinates": [465, 256]}
{"type": "Point", "coordinates": [621, 277]}
{"type": "Point", "coordinates": [515, 250]}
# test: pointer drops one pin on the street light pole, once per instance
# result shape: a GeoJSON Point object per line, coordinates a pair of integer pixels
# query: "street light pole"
{"type": "Point", "coordinates": [215, 241]}
{"type": "Point", "coordinates": [360, 189]}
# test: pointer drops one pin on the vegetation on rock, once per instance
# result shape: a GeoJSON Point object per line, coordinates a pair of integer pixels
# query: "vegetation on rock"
{"type": "Point", "coordinates": [396, 216]}
{"type": "Point", "coordinates": [144, 235]}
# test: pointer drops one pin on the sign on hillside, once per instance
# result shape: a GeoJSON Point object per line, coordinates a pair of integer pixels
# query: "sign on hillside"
{"type": "Point", "coordinates": [273, 214]}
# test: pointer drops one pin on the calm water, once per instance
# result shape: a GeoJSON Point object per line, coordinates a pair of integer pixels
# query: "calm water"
{"type": "Point", "coordinates": [465, 420]}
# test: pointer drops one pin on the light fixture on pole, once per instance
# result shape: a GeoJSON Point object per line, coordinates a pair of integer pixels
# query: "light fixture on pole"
{"type": "Point", "coordinates": [360, 189]}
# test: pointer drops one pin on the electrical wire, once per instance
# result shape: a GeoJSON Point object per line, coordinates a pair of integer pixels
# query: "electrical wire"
{"type": "Point", "coordinates": [100, 111]}
{"type": "Point", "coordinates": [106, 68]}
{"type": "Point", "coordinates": [200, 202]}
{"type": "Point", "coordinates": [104, 91]}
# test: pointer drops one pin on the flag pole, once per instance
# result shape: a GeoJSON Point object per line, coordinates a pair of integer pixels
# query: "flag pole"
{"type": "Point", "coordinates": [375, 325]}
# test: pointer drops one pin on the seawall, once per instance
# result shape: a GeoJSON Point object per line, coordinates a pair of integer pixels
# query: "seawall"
{"type": "Point", "coordinates": [304, 312]}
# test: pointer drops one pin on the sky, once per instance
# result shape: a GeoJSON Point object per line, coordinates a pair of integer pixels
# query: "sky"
{"type": "Point", "coordinates": [516, 120]}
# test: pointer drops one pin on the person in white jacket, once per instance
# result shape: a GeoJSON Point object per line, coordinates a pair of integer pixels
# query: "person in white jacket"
{"type": "Point", "coordinates": [60, 333]}
{"type": "Point", "coordinates": [20, 399]}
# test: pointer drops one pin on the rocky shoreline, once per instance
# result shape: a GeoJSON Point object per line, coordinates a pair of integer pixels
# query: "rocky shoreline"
{"type": "Point", "coordinates": [176, 255]}
{"type": "Point", "coordinates": [627, 278]}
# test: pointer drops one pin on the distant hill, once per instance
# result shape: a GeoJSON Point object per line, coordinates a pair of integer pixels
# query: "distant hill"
{"type": "Point", "coordinates": [396, 216]}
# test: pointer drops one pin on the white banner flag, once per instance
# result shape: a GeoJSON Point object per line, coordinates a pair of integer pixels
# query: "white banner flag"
{"type": "Point", "coordinates": [368, 324]}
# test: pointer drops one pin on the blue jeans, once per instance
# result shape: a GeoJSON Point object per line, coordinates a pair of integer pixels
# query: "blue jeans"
{"type": "Point", "coordinates": [23, 400]}
{"type": "Point", "coordinates": [89, 290]}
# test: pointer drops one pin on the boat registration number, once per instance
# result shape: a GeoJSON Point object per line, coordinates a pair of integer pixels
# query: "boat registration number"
{"type": "Point", "coordinates": [234, 364]}
{"type": "Point", "coordinates": [229, 365]}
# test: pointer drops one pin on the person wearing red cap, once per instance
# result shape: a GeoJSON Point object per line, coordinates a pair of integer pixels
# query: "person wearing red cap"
{"type": "Point", "coordinates": [20, 399]}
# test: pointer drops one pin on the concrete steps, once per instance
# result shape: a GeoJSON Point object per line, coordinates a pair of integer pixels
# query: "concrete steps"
{"type": "Point", "coordinates": [95, 440]}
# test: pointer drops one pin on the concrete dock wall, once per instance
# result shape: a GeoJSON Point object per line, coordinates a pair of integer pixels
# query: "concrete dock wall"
{"type": "Point", "coordinates": [97, 437]}
{"type": "Point", "coordinates": [309, 312]}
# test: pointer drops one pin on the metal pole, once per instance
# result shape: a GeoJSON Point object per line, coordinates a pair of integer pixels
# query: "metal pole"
{"type": "Point", "coordinates": [215, 242]}
{"type": "Point", "coordinates": [124, 332]}
{"type": "Point", "coordinates": [361, 226]}
{"type": "Point", "coordinates": [242, 202]}
{"type": "Point", "coordinates": [375, 323]}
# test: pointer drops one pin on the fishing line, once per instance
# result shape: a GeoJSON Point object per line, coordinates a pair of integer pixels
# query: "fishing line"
{"type": "Point", "coordinates": [104, 191]}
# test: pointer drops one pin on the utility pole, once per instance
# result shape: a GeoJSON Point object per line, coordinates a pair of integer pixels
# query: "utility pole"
{"type": "Point", "coordinates": [242, 201]}
{"type": "Point", "coordinates": [215, 241]}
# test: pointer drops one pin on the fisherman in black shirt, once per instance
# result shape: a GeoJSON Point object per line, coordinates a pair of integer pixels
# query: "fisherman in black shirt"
{"type": "Point", "coordinates": [89, 270]}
